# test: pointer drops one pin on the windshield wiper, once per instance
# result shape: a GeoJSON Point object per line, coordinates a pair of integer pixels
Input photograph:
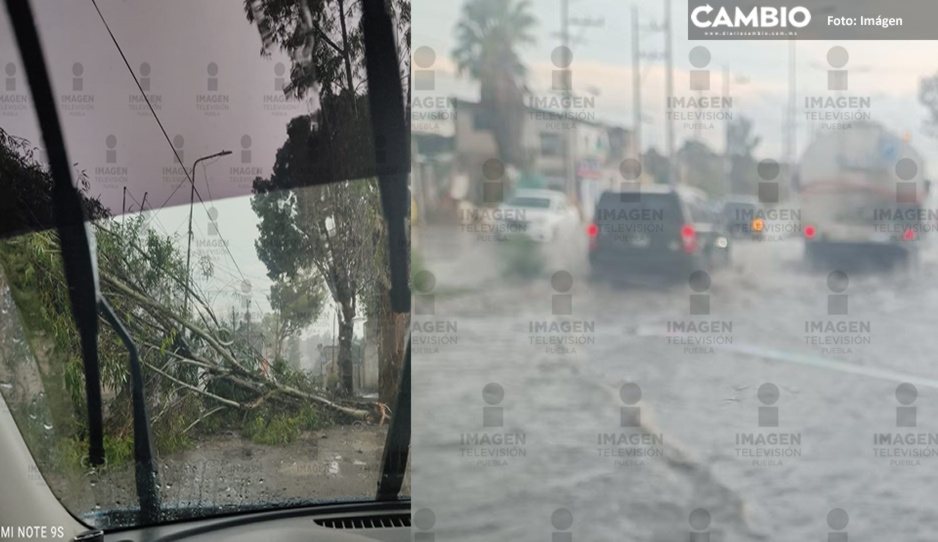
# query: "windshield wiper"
{"type": "Point", "coordinates": [389, 130]}
{"type": "Point", "coordinates": [79, 259]}
{"type": "Point", "coordinates": [145, 465]}
{"type": "Point", "coordinates": [397, 443]}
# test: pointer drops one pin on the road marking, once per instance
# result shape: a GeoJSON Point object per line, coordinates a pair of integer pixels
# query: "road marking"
{"type": "Point", "coordinates": [831, 365]}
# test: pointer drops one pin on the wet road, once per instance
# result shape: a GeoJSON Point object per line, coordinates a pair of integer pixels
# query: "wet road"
{"type": "Point", "coordinates": [773, 417]}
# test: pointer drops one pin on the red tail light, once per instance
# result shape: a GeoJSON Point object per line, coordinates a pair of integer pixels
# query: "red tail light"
{"type": "Point", "coordinates": [809, 232]}
{"type": "Point", "coordinates": [689, 239]}
{"type": "Point", "coordinates": [592, 231]}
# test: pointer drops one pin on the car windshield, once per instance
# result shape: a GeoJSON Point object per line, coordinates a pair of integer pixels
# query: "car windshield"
{"type": "Point", "coordinates": [229, 173]}
{"type": "Point", "coordinates": [529, 202]}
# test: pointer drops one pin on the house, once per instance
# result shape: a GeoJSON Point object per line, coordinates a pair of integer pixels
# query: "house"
{"type": "Point", "coordinates": [598, 148]}
{"type": "Point", "coordinates": [460, 142]}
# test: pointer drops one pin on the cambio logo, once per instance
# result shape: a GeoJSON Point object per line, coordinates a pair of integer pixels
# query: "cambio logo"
{"type": "Point", "coordinates": [757, 17]}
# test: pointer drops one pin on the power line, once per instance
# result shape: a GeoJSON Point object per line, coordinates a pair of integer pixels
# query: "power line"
{"type": "Point", "coordinates": [156, 218]}
{"type": "Point", "coordinates": [145, 98]}
{"type": "Point", "coordinates": [163, 130]}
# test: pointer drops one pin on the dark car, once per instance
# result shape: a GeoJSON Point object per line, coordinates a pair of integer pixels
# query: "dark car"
{"type": "Point", "coordinates": [656, 229]}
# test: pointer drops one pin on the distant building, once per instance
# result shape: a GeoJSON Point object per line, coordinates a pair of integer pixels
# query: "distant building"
{"type": "Point", "coordinates": [598, 150]}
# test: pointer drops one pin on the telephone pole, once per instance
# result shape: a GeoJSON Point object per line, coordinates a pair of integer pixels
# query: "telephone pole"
{"type": "Point", "coordinates": [569, 155]}
{"type": "Point", "coordinates": [569, 171]}
{"type": "Point", "coordinates": [636, 84]}
{"type": "Point", "coordinates": [669, 75]}
{"type": "Point", "coordinates": [790, 148]}
{"type": "Point", "coordinates": [727, 164]}
{"type": "Point", "coordinates": [654, 26]}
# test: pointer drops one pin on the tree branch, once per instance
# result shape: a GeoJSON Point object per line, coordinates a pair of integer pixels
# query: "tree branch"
{"type": "Point", "coordinates": [220, 399]}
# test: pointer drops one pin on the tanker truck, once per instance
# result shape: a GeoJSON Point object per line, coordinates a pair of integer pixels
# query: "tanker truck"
{"type": "Point", "coordinates": [862, 195]}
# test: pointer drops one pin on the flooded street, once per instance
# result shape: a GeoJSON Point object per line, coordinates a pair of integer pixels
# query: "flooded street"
{"type": "Point", "coordinates": [764, 407]}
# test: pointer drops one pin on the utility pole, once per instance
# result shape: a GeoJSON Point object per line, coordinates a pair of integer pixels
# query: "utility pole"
{"type": "Point", "coordinates": [569, 170]}
{"type": "Point", "coordinates": [669, 75]}
{"type": "Point", "coordinates": [790, 124]}
{"type": "Point", "coordinates": [569, 156]}
{"type": "Point", "coordinates": [636, 84]}
{"type": "Point", "coordinates": [663, 27]}
{"type": "Point", "coordinates": [727, 164]}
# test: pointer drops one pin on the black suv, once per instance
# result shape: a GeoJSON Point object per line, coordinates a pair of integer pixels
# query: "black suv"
{"type": "Point", "coordinates": [656, 229]}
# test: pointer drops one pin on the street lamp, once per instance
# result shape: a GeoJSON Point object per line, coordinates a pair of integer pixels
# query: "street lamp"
{"type": "Point", "coordinates": [185, 305]}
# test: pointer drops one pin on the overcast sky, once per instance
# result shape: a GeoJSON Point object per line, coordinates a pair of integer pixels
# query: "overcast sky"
{"type": "Point", "coordinates": [887, 72]}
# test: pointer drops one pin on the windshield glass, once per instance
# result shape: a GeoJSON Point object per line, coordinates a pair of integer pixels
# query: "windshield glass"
{"type": "Point", "coordinates": [258, 296]}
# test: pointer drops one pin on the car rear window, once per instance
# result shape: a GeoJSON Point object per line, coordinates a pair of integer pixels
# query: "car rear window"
{"type": "Point", "coordinates": [620, 206]}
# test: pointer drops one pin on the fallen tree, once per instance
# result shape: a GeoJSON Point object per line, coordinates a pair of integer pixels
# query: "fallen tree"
{"type": "Point", "coordinates": [199, 373]}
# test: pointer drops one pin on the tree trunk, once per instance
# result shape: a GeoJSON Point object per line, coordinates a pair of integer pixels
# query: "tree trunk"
{"type": "Point", "coordinates": [346, 329]}
{"type": "Point", "coordinates": [345, 50]}
{"type": "Point", "coordinates": [392, 342]}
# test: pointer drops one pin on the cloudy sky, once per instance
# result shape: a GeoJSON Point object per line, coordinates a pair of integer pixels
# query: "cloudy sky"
{"type": "Point", "coordinates": [887, 72]}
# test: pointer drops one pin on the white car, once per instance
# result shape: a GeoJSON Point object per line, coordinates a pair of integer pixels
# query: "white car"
{"type": "Point", "coordinates": [542, 215]}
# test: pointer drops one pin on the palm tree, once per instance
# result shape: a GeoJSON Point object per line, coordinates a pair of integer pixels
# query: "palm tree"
{"type": "Point", "coordinates": [487, 38]}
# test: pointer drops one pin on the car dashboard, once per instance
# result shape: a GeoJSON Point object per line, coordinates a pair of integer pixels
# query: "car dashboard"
{"type": "Point", "coordinates": [385, 522]}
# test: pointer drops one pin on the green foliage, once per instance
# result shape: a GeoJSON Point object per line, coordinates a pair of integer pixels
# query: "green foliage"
{"type": "Point", "coordinates": [309, 418]}
{"type": "Point", "coordinates": [281, 428]}
{"type": "Point", "coordinates": [71, 454]}
{"type": "Point", "coordinates": [127, 249]}
{"type": "Point", "coordinates": [341, 56]}
{"type": "Point", "coordinates": [27, 189]}
{"type": "Point", "coordinates": [168, 430]}
{"type": "Point", "coordinates": [331, 232]}
{"type": "Point", "coordinates": [488, 36]}
{"type": "Point", "coordinates": [33, 270]}
{"type": "Point", "coordinates": [296, 302]}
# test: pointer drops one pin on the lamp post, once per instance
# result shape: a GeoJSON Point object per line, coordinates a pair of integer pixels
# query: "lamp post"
{"type": "Point", "coordinates": [185, 305]}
